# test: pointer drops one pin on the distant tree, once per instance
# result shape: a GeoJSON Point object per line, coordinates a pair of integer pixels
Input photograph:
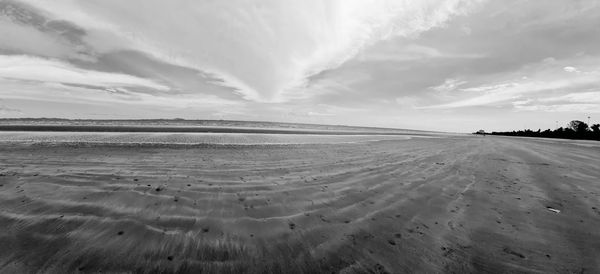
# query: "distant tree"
{"type": "Point", "coordinates": [578, 126]}
{"type": "Point", "coordinates": [568, 132]}
{"type": "Point", "coordinates": [574, 130]}
{"type": "Point", "coordinates": [481, 131]}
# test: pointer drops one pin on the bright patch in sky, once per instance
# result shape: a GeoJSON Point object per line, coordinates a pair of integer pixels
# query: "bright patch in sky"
{"type": "Point", "coordinates": [455, 65]}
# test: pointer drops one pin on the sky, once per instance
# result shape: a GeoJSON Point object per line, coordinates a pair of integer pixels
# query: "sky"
{"type": "Point", "coordinates": [454, 65]}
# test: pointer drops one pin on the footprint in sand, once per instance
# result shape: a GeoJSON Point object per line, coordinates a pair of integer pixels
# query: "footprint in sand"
{"type": "Point", "coordinates": [508, 250]}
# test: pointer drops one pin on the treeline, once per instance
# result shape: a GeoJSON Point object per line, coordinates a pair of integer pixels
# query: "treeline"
{"type": "Point", "coordinates": [575, 130]}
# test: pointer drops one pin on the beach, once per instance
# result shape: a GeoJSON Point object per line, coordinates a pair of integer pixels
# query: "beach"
{"type": "Point", "coordinates": [448, 204]}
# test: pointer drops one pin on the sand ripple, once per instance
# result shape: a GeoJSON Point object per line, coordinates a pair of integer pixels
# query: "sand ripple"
{"type": "Point", "coordinates": [430, 205]}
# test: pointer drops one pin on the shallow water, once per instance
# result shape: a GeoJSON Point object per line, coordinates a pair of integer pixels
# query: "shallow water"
{"type": "Point", "coordinates": [189, 138]}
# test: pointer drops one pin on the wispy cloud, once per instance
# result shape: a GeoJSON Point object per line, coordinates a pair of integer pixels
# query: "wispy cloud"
{"type": "Point", "coordinates": [548, 80]}
{"type": "Point", "coordinates": [73, 94]}
{"type": "Point", "coordinates": [588, 102]}
{"type": "Point", "coordinates": [22, 67]}
{"type": "Point", "coordinates": [26, 30]}
{"type": "Point", "coordinates": [449, 85]}
{"type": "Point", "coordinates": [260, 48]}
{"type": "Point", "coordinates": [410, 52]}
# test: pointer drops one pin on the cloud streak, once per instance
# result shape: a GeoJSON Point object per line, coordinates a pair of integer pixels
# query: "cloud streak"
{"type": "Point", "coordinates": [22, 67]}
{"type": "Point", "coordinates": [547, 79]}
{"type": "Point", "coordinates": [261, 48]}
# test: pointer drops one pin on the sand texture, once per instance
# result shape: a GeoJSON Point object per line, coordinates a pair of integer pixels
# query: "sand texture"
{"type": "Point", "coordinates": [425, 205]}
{"type": "Point", "coordinates": [153, 138]}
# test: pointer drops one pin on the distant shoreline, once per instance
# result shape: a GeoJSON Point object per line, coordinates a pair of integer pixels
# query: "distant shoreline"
{"type": "Point", "coordinates": [194, 126]}
{"type": "Point", "coordinates": [187, 129]}
{"type": "Point", "coordinates": [186, 122]}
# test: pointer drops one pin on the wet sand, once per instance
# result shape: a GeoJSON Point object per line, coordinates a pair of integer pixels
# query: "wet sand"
{"type": "Point", "coordinates": [189, 139]}
{"type": "Point", "coordinates": [428, 205]}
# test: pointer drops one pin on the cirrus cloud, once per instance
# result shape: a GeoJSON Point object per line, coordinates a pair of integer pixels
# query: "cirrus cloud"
{"type": "Point", "coordinates": [261, 48]}
{"type": "Point", "coordinates": [28, 68]}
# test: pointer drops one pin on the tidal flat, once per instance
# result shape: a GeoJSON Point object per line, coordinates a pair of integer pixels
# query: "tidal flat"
{"type": "Point", "coordinates": [456, 203]}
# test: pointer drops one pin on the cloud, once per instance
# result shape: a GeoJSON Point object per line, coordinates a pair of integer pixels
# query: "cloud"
{"type": "Point", "coordinates": [25, 30]}
{"type": "Point", "coordinates": [392, 52]}
{"type": "Point", "coordinates": [579, 102]}
{"type": "Point", "coordinates": [576, 108]}
{"type": "Point", "coordinates": [28, 68]}
{"type": "Point", "coordinates": [570, 69]}
{"type": "Point", "coordinates": [90, 95]}
{"type": "Point", "coordinates": [503, 92]}
{"type": "Point", "coordinates": [261, 48]}
{"type": "Point", "coordinates": [546, 81]}
{"type": "Point", "coordinates": [30, 40]}
{"type": "Point", "coordinates": [581, 97]}
{"type": "Point", "coordinates": [449, 85]}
